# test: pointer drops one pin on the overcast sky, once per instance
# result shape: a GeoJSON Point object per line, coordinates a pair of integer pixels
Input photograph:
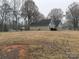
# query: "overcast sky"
{"type": "Point", "coordinates": [46, 5]}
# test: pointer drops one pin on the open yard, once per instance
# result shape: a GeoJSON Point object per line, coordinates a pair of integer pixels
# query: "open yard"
{"type": "Point", "coordinates": [40, 28]}
{"type": "Point", "coordinates": [33, 36]}
{"type": "Point", "coordinates": [44, 44]}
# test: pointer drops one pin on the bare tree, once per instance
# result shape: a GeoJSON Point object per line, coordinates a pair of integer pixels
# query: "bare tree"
{"type": "Point", "coordinates": [5, 10]}
{"type": "Point", "coordinates": [41, 16]}
{"type": "Point", "coordinates": [16, 12]}
{"type": "Point", "coordinates": [55, 15]}
{"type": "Point", "coordinates": [29, 10]}
{"type": "Point", "coordinates": [15, 4]}
{"type": "Point", "coordinates": [74, 11]}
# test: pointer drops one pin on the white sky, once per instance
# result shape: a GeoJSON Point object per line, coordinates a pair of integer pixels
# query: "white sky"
{"type": "Point", "coordinates": [45, 6]}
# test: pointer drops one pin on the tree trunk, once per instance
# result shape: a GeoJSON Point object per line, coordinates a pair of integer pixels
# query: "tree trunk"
{"type": "Point", "coordinates": [75, 24]}
{"type": "Point", "coordinates": [16, 23]}
{"type": "Point", "coordinates": [3, 22]}
{"type": "Point", "coordinates": [27, 23]}
{"type": "Point", "coordinates": [28, 26]}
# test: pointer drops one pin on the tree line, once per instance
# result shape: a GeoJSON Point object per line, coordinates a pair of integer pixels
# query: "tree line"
{"type": "Point", "coordinates": [19, 14]}
{"type": "Point", "coordinates": [71, 16]}
{"type": "Point", "coordinates": [12, 12]}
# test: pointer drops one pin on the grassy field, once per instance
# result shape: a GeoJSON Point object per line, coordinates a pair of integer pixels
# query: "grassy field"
{"type": "Point", "coordinates": [39, 35]}
{"type": "Point", "coordinates": [45, 44]}
{"type": "Point", "coordinates": [40, 28]}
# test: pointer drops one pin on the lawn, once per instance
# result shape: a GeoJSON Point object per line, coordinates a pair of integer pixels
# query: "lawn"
{"type": "Point", "coordinates": [40, 28]}
{"type": "Point", "coordinates": [45, 44]}
{"type": "Point", "coordinates": [39, 36]}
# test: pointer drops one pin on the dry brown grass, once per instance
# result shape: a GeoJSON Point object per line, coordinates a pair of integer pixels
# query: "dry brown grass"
{"type": "Point", "coordinates": [38, 38]}
{"type": "Point", "coordinates": [30, 36]}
